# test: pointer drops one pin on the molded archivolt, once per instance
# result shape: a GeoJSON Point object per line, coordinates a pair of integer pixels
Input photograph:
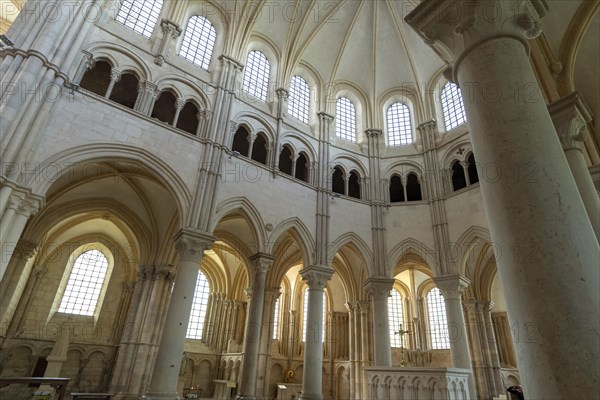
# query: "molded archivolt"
{"type": "Point", "coordinates": [295, 227]}
{"type": "Point", "coordinates": [476, 255]}
{"type": "Point", "coordinates": [403, 168]}
{"type": "Point", "coordinates": [298, 145]}
{"type": "Point", "coordinates": [349, 163]}
{"type": "Point", "coordinates": [255, 123]}
{"type": "Point", "coordinates": [185, 89]}
{"type": "Point", "coordinates": [411, 250]}
{"type": "Point", "coordinates": [248, 212]}
{"type": "Point", "coordinates": [120, 58]}
{"type": "Point", "coordinates": [156, 168]}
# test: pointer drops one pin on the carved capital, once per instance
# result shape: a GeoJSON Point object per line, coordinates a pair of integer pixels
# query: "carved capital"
{"type": "Point", "coordinates": [262, 262]}
{"type": "Point", "coordinates": [227, 61]}
{"type": "Point", "coordinates": [26, 249]}
{"type": "Point", "coordinates": [179, 104]}
{"type": "Point", "coordinates": [191, 244]}
{"type": "Point", "coordinates": [324, 117]}
{"type": "Point", "coordinates": [374, 133]}
{"type": "Point", "coordinates": [316, 276]}
{"type": "Point", "coordinates": [170, 28]}
{"type": "Point", "coordinates": [378, 287]}
{"type": "Point", "coordinates": [88, 60]}
{"type": "Point", "coordinates": [570, 116]}
{"type": "Point", "coordinates": [145, 272]}
{"type": "Point", "coordinates": [282, 94]}
{"type": "Point", "coordinates": [164, 272]}
{"type": "Point", "coordinates": [452, 286]}
{"type": "Point", "coordinates": [454, 27]}
{"type": "Point", "coordinates": [38, 271]}
{"type": "Point", "coordinates": [204, 114]}
{"type": "Point", "coordinates": [115, 74]}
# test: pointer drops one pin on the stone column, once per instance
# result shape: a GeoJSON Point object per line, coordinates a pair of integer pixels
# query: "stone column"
{"type": "Point", "coordinates": [87, 63]}
{"type": "Point", "coordinates": [571, 116]}
{"type": "Point", "coordinates": [179, 104]}
{"type": "Point", "coordinates": [115, 76]}
{"type": "Point", "coordinates": [379, 290]}
{"type": "Point", "coordinates": [316, 276]}
{"type": "Point", "coordinates": [260, 263]}
{"type": "Point", "coordinates": [18, 210]}
{"type": "Point", "coordinates": [190, 245]}
{"type": "Point", "coordinates": [452, 287]}
{"type": "Point", "coordinates": [471, 309]}
{"type": "Point", "coordinates": [535, 213]}
{"type": "Point", "coordinates": [171, 31]}
{"type": "Point", "coordinates": [203, 122]}
{"type": "Point", "coordinates": [491, 344]}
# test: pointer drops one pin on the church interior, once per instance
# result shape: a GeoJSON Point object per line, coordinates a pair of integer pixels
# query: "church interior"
{"type": "Point", "coordinates": [315, 200]}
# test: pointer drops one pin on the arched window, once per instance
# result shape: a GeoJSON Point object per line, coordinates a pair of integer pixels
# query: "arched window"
{"type": "Point", "coordinates": [345, 119]}
{"type": "Point", "coordinates": [164, 107]}
{"type": "Point", "coordinates": [299, 99]}
{"type": "Point", "coordinates": [396, 319]}
{"type": "Point", "coordinates": [256, 75]}
{"type": "Point", "coordinates": [472, 169]}
{"type": "Point", "coordinates": [276, 320]}
{"type": "Point", "coordinates": [399, 125]}
{"type": "Point", "coordinates": [337, 181]}
{"type": "Point", "coordinates": [199, 306]}
{"type": "Point", "coordinates": [97, 79]}
{"type": "Point", "coordinates": [140, 15]}
{"type": "Point", "coordinates": [259, 149]}
{"type": "Point", "coordinates": [285, 160]}
{"type": "Point", "coordinates": [438, 324]}
{"type": "Point", "coordinates": [413, 188]}
{"type": "Point", "coordinates": [188, 118]}
{"type": "Point", "coordinates": [240, 141]}
{"type": "Point", "coordinates": [312, 332]}
{"type": "Point", "coordinates": [452, 106]}
{"type": "Point", "coordinates": [302, 167]}
{"type": "Point", "coordinates": [396, 190]}
{"type": "Point", "coordinates": [354, 185]}
{"type": "Point", "coordinates": [459, 181]}
{"type": "Point", "coordinates": [86, 280]}
{"type": "Point", "coordinates": [125, 91]}
{"type": "Point", "coordinates": [198, 41]}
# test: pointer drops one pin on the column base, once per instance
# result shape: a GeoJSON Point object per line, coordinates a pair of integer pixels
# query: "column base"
{"type": "Point", "coordinates": [309, 397]}
{"type": "Point", "coordinates": [161, 396]}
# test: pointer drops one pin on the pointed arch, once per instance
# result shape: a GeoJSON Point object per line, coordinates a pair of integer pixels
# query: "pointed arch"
{"type": "Point", "coordinates": [305, 239]}
{"type": "Point", "coordinates": [411, 248]}
{"type": "Point", "coordinates": [249, 212]}
{"type": "Point", "coordinates": [97, 152]}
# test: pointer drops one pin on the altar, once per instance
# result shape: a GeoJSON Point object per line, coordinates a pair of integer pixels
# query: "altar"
{"type": "Point", "coordinates": [223, 389]}
{"type": "Point", "coordinates": [288, 391]}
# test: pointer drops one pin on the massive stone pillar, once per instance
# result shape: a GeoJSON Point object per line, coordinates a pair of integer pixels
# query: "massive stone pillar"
{"type": "Point", "coordinates": [316, 276]}
{"type": "Point", "coordinates": [163, 385]}
{"type": "Point", "coordinates": [379, 289]}
{"type": "Point", "coordinates": [571, 116]}
{"type": "Point", "coordinates": [260, 263]}
{"type": "Point", "coordinates": [546, 249]}
{"type": "Point", "coordinates": [452, 287]}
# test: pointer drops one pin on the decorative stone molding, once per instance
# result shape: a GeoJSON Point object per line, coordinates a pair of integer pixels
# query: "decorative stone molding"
{"type": "Point", "coordinates": [452, 286]}
{"type": "Point", "coordinates": [179, 104]}
{"type": "Point", "coordinates": [374, 133]}
{"type": "Point", "coordinates": [26, 249]}
{"type": "Point", "coordinates": [262, 262]}
{"type": "Point", "coordinates": [191, 244]}
{"type": "Point", "coordinates": [570, 116]}
{"type": "Point", "coordinates": [324, 117]}
{"type": "Point", "coordinates": [379, 287]}
{"type": "Point", "coordinates": [455, 27]}
{"type": "Point", "coordinates": [115, 74]}
{"type": "Point", "coordinates": [170, 31]}
{"type": "Point", "coordinates": [316, 276]}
